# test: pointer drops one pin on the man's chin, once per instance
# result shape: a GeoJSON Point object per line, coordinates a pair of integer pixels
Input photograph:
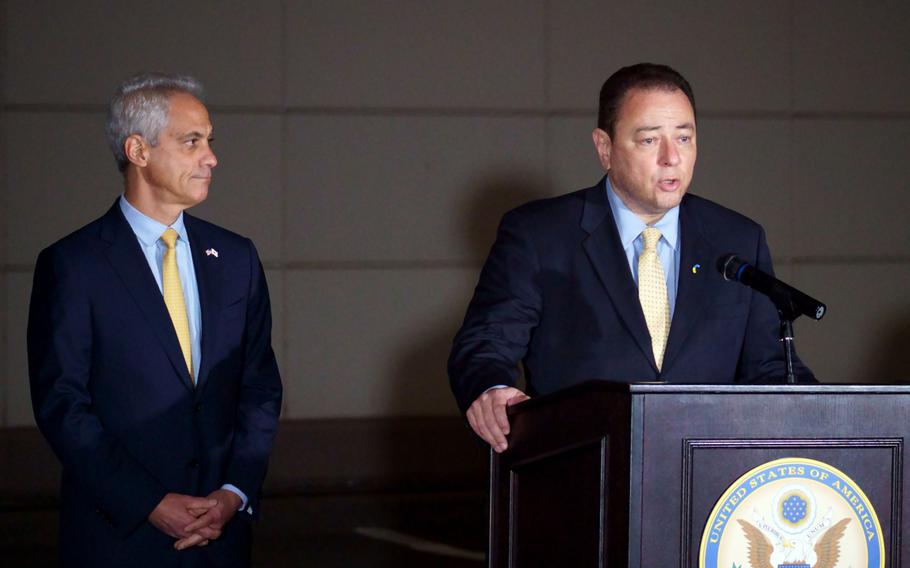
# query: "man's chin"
{"type": "Point", "coordinates": [660, 207]}
{"type": "Point", "coordinates": [669, 199]}
{"type": "Point", "coordinates": [195, 198]}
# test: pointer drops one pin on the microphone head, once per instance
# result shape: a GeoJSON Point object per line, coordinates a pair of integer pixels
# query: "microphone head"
{"type": "Point", "coordinates": [728, 265]}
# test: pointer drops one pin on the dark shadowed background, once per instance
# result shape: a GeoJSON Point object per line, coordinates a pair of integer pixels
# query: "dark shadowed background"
{"type": "Point", "coordinates": [369, 149]}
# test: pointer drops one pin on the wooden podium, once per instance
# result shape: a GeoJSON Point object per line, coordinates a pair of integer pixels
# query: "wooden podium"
{"type": "Point", "coordinates": [610, 474]}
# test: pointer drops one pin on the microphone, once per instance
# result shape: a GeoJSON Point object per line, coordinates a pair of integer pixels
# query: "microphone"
{"type": "Point", "coordinates": [788, 299]}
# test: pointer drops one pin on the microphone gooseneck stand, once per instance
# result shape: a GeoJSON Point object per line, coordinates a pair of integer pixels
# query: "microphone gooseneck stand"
{"type": "Point", "coordinates": [786, 337]}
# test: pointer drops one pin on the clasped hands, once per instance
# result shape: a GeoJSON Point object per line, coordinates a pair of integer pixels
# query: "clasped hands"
{"type": "Point", "coordinates": [194, 521]}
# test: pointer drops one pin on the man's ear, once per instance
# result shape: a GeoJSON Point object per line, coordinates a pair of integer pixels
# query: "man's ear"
{"type": "Point", "coordinates": [136, 150]}
{"type": "Point", "coordinates": [603, 146]}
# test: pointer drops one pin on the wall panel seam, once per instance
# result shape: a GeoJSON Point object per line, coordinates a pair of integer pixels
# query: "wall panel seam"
{"type": "Point", "coordinates": [285, 347]}
{"type": "Point", "coordinates": [4, 336]}
{"type": "Point", "coordinates": [466, 112]}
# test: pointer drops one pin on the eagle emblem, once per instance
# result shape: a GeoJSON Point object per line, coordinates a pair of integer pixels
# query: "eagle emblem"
{"type": "Point", "coordinates": [827, 548]}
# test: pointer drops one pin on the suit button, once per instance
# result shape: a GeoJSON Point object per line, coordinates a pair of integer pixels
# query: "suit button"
{"type": "Point", "coordinates": [197, 408]}
{"type": "Point", "coordinates": [193, 463]}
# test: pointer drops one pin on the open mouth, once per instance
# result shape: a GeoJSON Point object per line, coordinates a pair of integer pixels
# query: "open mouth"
{"type": "Point", "coordinates": [669, 184]}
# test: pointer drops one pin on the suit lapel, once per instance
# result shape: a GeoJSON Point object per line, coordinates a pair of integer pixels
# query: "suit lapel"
{"type": "Point", "coordinates": [208, 274]}
{"type": "Point", "coordinates": [691, 294]}
{"type": "Point", "coordinates": [605, 252]}
{"type": "Point", "coordinates": [129, 263]}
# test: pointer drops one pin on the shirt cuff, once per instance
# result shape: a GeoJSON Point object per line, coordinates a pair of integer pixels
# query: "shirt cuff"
{"type": "Point", "coordinates": [243, 500]}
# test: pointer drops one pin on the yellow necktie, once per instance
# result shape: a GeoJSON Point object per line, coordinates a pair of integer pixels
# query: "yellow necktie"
{"type": "Point", "coordinates": [652, 293]}
{"type": "Point", "coordinates": [173, 298]}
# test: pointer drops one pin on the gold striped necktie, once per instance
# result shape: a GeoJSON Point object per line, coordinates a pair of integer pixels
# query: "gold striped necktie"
{"type": "Point", "coordinates": [652, 293]}
{"type": "Point", "coordinates": [173, 298]}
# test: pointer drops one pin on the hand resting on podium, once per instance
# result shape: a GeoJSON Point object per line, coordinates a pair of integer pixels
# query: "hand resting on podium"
{"type": "Point", "coordinates": [487, 415]}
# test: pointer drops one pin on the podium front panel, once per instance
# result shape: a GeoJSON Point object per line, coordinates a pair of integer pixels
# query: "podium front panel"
{"type": "Point", "coordinates": [711, 466]}
{"type": "Point", "coordinates": [695, 445]}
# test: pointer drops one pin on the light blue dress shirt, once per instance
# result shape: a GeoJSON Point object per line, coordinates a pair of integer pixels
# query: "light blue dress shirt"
{"type": "Point", "coordinates": [630, 227]}
{"type": "Point", "coordinates": [148, 232]}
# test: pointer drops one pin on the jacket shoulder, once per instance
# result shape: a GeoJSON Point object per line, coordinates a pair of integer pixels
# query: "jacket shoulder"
{"type": "Point", "coordinates": [85, 238]}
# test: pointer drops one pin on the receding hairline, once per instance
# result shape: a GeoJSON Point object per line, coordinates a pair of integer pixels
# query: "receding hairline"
{"type": "Point", "coordinates": [194, 129]}
{"type": "Point", "coordinates": [665, 88]}
{"type": "Point", "coordinates": [654, 88]}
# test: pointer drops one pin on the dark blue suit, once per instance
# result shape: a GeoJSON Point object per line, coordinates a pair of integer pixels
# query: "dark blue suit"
{"type": "Point", "coordinates": [556, 293]}
{"type": "Point", "coordinates": [113, 396]}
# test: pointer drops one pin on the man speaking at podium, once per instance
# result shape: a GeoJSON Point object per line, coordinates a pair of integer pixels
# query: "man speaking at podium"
{"type": "Point", "coordinates": [618, 281]}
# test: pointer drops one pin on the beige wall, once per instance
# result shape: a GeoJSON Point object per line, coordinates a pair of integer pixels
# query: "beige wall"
{"type": "Point", "coordinates": [370, 147]}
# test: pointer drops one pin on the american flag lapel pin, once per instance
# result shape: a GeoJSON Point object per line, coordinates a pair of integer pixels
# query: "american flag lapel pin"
{"type": "Point", "coordinates": [211, 252]}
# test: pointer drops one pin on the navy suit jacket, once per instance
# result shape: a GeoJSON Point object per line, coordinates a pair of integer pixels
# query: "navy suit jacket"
{"type": "Point", "coordinates": [556, 292]}
{"type": "Point", "coordinates": [112, 394]}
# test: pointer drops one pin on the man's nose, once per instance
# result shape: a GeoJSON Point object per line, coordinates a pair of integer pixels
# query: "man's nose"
{"type": "Point", "coordinates": [209, 158]}
{"type": "Point", "coordinates": [669, 154]}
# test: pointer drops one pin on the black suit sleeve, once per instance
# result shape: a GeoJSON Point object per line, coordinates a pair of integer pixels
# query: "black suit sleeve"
{"type": "Point", "coordinates": [501, 317]}
{"type": "Point", "coordinates": [60, 370]}
{"type": "Point", "coordinates": [259, 404]}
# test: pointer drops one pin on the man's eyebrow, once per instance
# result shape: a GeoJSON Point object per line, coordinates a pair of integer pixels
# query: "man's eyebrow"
{"type": "Point", "coordinates": [194, 134]}
{"type": "Point", "coordinates": [683, 126]}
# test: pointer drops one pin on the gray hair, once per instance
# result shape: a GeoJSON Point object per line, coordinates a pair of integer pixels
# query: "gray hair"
{"type": "Point", "coordinates": [140, 106]}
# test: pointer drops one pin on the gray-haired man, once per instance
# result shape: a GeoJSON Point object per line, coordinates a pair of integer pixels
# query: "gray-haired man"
{"type": "Point", "coordinates": [150, 359]}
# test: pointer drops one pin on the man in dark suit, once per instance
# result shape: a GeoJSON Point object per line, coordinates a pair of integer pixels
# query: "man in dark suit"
{"type": "Point", "coordinates": [618, 281]}
{"type": "Point", "coordinates": [150, 359]}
